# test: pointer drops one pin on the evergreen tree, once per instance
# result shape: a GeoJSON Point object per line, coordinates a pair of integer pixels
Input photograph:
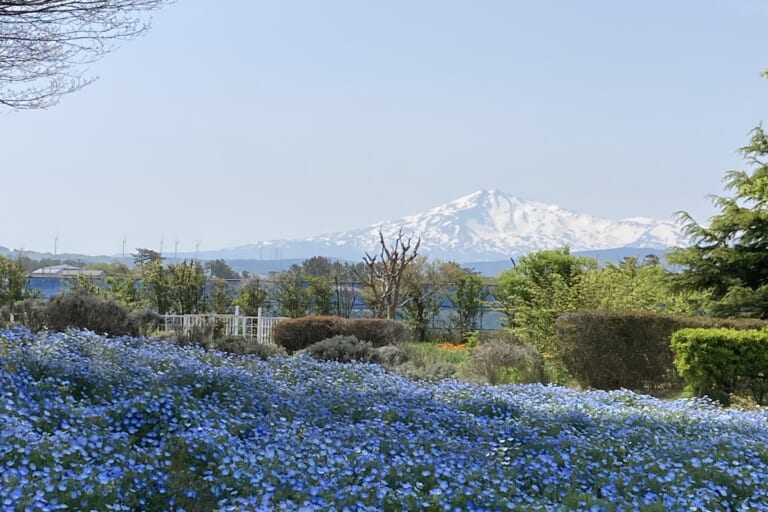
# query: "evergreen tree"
{"type": "Point", "coordinates": [728, 260]}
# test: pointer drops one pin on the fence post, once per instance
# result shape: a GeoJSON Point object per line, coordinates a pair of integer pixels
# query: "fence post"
{"type": "Point", "coordinates": [259, 327]}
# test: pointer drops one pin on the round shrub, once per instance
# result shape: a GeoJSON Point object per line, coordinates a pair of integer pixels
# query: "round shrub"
{"type": "Point", "coordinates": [343, 349]}
{"type": "Point", "coordinates": [145, 321]}
{"type": "Point", "coordinates": [391, 355]}
{"type": "Point", "coordinates": [245, 346]}
{"type": "Point", "coordinates": [81, 309]}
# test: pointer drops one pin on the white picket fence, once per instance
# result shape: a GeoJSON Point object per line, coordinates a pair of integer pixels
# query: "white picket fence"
{"type": "Point", "coordinates": [258, 328]}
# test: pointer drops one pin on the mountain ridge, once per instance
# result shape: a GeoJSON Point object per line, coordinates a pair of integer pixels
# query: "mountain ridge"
{"type": "Point", "coordinates": [487, 225]}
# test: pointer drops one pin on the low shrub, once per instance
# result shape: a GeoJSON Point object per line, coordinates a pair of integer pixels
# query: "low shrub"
{"type": "Point", "coordinates": [299, 333]}
{"type": "Point", "coordinates": [500, 361]}
{"type": "Point", "coordinates": [145, 321]}
{"type": "Point", "coordinates": [379, 331]}
{"type": "Point", "coordinates": [27, 312]}
{"type": "Point", "coordinates": [343, 349]}
{"type": "Point", "coordinates": [245, 346]}
{"type": "Point", "coordinates": [391, 355]}
{"type": "Point", "coordinates": [613, 350]}
{"type": "Point", "coordinates": [433, 371]}
{"type": "Point", "coordinates": [722, 362]}
{"type": "Point", "coordinates": [84, 310]}
{"type": "Point", "coordinates": [196, 335]}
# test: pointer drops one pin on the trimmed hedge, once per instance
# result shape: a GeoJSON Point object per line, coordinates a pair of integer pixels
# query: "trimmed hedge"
{"type": "Point", "coordinates": [722, 362]}
{"type": "Point", "coordinates": [612, 350]}
{"type": "Point", "coordinates": [299, 333]}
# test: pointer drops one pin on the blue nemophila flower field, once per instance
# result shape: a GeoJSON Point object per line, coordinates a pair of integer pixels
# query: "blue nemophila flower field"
{"type": "Point", "coordinates": [88, 423]}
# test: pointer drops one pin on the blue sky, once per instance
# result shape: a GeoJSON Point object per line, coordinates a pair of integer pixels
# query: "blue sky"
{"type": "Point", "coordinates": [241, 120]}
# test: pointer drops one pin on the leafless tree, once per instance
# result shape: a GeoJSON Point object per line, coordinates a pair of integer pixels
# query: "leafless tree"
{"type": "Point", "coordinates": [45, 44]}
{"type": "Point", "coordinates": [385, 272]}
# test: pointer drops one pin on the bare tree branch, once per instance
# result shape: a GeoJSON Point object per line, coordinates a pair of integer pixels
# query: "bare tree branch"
{"type": "Point", "coordinates": [45, 44]}
{"type": "Point", "coordinates": [385, 273]}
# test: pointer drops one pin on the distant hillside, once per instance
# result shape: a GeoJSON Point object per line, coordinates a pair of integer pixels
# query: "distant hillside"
{"type": "Point", "coordinates": [485, 226]}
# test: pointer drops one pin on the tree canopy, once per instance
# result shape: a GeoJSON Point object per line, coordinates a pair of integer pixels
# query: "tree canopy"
{"type": "Point", "coordinates": [728, 260]}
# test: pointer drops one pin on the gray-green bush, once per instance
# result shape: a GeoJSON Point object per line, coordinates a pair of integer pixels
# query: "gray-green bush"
{"type": "Point", "coordinates": [500, 361]}
{"type": "Point", "coordinates": [343, 349]}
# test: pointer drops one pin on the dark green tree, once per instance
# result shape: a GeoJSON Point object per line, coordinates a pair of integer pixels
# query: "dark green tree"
{"type": "Point", "coordinates": [144, 256]}
{"type": "Point", "coordinates": [728, 261]}
{"type": "Point", "coordinates": [219, 268]}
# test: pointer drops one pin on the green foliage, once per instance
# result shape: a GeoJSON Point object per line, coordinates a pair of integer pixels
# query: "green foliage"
{"type": "Point", "coordinates": [177, 287]}
{"type": "Point", "coordinates": [320, 294]}
{"type": "Point", "coordinates": [299, 333]}
{"type": "Point", "coordinates": [83, 310]}
{"type": "Point", "coordinates": [467, 299]}
{"type": "Point", "coordinates": [250, 297]}
{"type": "Point", "coordinates": [156, 286]}
{"type": "Point", "coordinates": [187, 287]}
{"type": "Point", "coordinates": [722, 362]}
{"type": "Point", "coordinates": [423, 354]}
{"type": "Point", "coordinates": [633, 286]}
{"type": "Point", "coordinates": [12, 280]}
{"type": "Point", "coordinates": [612, 350]}
{"type": "Point", "coordinates": [343, 349]}
{"type": "Point", "coordinates": [124, 290]}
{"type": "Point", "coordinates": [219, 300]}
{"type": "Point", "coordinates": [540, 288]}
{"type": "Point", "coordinates": [728, 261]}
{"type": "Point", "coordinates": [290, 294]}
{"type": "Point", "coordinates": [500, 362]}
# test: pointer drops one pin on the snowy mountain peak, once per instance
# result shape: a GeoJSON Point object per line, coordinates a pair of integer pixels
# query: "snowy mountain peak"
{"type": "Point", "coordinates": [486, 225]}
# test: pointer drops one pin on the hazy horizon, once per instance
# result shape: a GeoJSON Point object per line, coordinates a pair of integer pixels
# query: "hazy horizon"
{"type": "Point", "coordinates": [265, 121]}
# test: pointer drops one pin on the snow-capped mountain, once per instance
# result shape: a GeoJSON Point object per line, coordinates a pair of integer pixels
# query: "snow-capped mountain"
{"type": "Point", "coordinates": [485, 226]}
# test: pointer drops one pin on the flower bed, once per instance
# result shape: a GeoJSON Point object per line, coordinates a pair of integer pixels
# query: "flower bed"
{"type": "Point", "coordinates": [132, 424]}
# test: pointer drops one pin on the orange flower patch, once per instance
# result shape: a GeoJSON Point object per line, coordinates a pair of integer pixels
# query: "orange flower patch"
{"type": "Point", "coordinates": [452, 347]}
